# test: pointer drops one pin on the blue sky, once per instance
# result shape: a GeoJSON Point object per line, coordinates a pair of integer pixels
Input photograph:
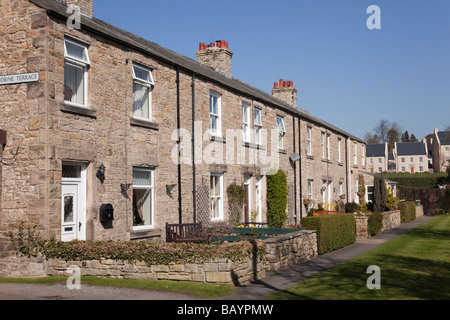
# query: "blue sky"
{"type": "Point", "coordinates": [346, 74]}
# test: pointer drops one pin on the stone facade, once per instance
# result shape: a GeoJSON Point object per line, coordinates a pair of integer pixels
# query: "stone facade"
{"type": "Point", "coordinates": [46, 134]}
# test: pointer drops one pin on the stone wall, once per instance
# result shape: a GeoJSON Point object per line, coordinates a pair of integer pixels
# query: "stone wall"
{"type": "Point", "coordinates": [281, 252]}
{"type": "Point", "coordinates": [285, 250]}
{"type": "Point", "coordinates": [391, 220]}
{"type": "Point", "coordinates": [223, 271]}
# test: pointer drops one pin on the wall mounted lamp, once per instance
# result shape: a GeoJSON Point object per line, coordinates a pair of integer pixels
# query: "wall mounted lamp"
{"type": "Point", "coordinates": [101, 173]}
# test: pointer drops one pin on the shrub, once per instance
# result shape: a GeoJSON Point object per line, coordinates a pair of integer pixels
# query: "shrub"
{"type": "Point", "coordinates": [333, 231]}
{"type": "Point", "coordinates": [379, 193]}
{"type": "Point", "coordinates": [276, 199]}
{"type": "Point", "coordinates": [407, 211]}
{"type": "Point", "coordinates": [423, 180]}
{"type": "Point", "coordinates": [236, 197]}
{"type": "Point", "coordinates": [375, 223]}
{"type": "Point", "coordinates": [351, 207]}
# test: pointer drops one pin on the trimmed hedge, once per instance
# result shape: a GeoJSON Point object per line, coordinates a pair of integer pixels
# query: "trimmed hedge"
{"type": "Point", "coordinates": [276, 199]}
{"type": "Point", "coordinates": [407, 211]}
{"type": "Point", "coordinates": [333, 231]}
{"type": "Point", "coordinates": [423, 180]}
{"type": "Point", "coordinates": [375, 223]}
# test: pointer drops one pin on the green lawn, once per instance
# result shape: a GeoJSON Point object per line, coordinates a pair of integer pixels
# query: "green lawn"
{"type": "Point", "coordinates": [414, 266]}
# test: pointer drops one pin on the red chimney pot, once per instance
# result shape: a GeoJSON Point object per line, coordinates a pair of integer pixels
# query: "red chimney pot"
{"type": "Point", "coordinates": [275, 85]}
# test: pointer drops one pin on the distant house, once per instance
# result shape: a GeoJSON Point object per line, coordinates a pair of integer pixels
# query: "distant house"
{"type": "Point", "coordinates": [411, 157]}
{"type": "Point", "coordinates": [408, 157]}
{"type": "Point", "coordinates": [439, 143]}
{"type": "Point", "coordinates": [377, 157]}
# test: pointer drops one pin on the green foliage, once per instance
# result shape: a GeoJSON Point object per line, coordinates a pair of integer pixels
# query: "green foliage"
{"type": "Point", "coordinates": [236, 197]}
{"type": "Point", "coordinates": [276, 199]}
{"type": "Point", "coordinates": [361, 189]}
{"type": "Point", "coordinates": [375, 223]}
{"type": "Point", "coordinates": [153, 253]}
{"type": "Point", "coordinates": [351, 207]}
{"type": "Point", "coordinates": [407, 211]}
{"type": "Point", "coordinates": [392, 201]}
{"type": "Point", "coordinates": [333, 231]}
{"type": "Point", "coordinates": [379, 194]}
{"type": "Point", "coordinates": [423, 180]}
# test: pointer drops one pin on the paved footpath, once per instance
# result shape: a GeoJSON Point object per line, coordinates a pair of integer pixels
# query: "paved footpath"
{"type": "Point", "coordinates": [274, 282]}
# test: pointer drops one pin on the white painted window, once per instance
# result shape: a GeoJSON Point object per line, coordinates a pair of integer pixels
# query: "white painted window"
{"type": "Point", "coordinates": [142, 92]}
{"type": "Point", "coordinates": [281, 131]}
{"type": "Point", "coordinates": [308, 140]}
{"type": "Point", "coordinates": [76, 63]}
{"type": "Point", "coordinates": [369, 193]}
{"type": "Point", "coordinates": [328, 147]}
{"type": "Point", "coordinates": [143, 198]}
{"type": "Point", "coordinates": [355, 154]}
{"type": "Point", "coordinates": [339, 150]}
{"type": "Point", "coordinates": [356, 199]}
{"type": "Point", "coordinates": [322, 143]}
{"type": "Point", "coordinates": [363, 155]}
{"type": "Point", "coordinates": [215, 113]}
{"type": "Point", "coordinates": [216, 195]}
{"type": "Point", "coordinates": [258, 125]}
{"type": "Point", "coordinates": [246, 122]}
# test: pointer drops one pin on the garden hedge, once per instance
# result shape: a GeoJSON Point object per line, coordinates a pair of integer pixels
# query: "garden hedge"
{"type": "Point", "coordinates": [333, 231]}
{"type": "Point", "coordinates": [407, 211]}
{"type": "Point", "coordinates": [375, 223]}
{"type": "Point", "coordinates": [276, 199]}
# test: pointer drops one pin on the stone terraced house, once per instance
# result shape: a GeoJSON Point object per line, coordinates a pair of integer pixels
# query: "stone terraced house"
{"type": "Point", "coordinates": [95, 118]}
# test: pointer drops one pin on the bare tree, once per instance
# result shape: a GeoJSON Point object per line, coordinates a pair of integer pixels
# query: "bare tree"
{"type": "Point", "coordinates": [382, 129]}
{"type": "Point", "coordinates": [371, 138]}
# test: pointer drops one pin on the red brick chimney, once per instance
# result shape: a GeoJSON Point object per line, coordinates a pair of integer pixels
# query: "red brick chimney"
{"type": "Point", "coordinates": [86, 6]}
{"type": "Point", "coordinates": [216, 55]}
{"type": "Point", "coordinates": [285, 90]}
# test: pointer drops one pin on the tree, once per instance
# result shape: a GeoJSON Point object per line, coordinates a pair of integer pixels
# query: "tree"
{"type": "Point", "coordinates": [405, 136]}
{"type": "Point", "coordinates": [371, 138]}
{"type": "Point", "coordinates": [379, 194]}
{"type": "Point", "coordinates": [413, 138]}
{"type": "Point", "coordinates": [393, 136]}
{"type": "Point", "coordinates": [382, 129]}
{"type": "Point", "coordinates": [276, 199]}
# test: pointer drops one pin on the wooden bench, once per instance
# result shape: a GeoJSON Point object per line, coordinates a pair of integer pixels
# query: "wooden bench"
{"type": "Point", "coordinates": [186, 232]}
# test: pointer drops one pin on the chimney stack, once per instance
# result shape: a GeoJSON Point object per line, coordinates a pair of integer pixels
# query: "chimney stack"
{"type": "Point", "coordinates": [285, 90]}
{"type": "Point", "coordinates": [216, 55]}
{"type": "Point", "coordinates": [86, 6]}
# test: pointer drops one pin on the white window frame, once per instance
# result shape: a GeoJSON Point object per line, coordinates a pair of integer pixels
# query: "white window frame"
{"type": "Point", "coordinates": [257, 119]}
{"type": "Point", "coordinates": [78, 63]}
{"type": "Point", "coordinates": [217, 115]}
{"type": "Point", "coordinates": [147, 187]}
{"type": "Point", "coordinates": [146, 83]}
{"type": "Point", "coordinates": [328, 147]}
{"type": "Point", "coordinates": [310, 191]}
{"type": "Point", "coordinates": [369, 193]}
{"type": "Point", "coordinates": [246, 123]}
{"type": "Point", "coordinates": [281, 131]}
{"type": "Point", "coordinates": [356, 199]}
{"type": "Point", "coordinates": [309, 140]}
{"type": "Point", "coordinates": [322, 144]}
{"type": "Point", "coordinates": [220, 196]}
{"type": "Point", "coordinates": [355, 154]}
{"type": "Point", "coordinates": [339, 150]}
{"type": "Point", "coordinates": [363, 155]}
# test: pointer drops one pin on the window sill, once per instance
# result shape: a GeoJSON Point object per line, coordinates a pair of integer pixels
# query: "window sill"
{"type": "Point", "coordinates": [218, 139]}
{"type": "Point", "coordinates": [282, 151]}
{"type": "Point", "coordinates": [144, 124]}
{"type": "Point", "coordinates": [254, 145]}
{"type": "Point", "coordinates": [310, 157]}
{"type": "Point", "coordinates": [74, 109]}
{"type": "Point", "coordinates": [327, 161]}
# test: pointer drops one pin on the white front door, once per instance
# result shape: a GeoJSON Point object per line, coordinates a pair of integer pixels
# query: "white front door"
{"type": "Point", "coordinates": [258, 189]}
{"type": "Point", "coordinates": [73, 208]}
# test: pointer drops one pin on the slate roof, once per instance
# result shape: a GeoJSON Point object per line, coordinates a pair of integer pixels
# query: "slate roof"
{"type": "Point", "coordinates": [178, 60]}
{"type": "Point", "coordinates": [375, 150]}
{"type": "Point", "coordinates": [444, 137]}
{"type": "Point", "coordinates": [411, 149]}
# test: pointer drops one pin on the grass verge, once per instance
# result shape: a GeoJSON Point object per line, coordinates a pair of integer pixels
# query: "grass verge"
{"type": "Point", "coordinates": [203, 290]}
{"type": "Point", "coordinates": [414, 266]}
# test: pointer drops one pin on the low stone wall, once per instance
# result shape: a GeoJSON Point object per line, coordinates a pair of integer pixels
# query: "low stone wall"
{"type": "Point", "coordinates": [419, 211]}
{"type": "Point", "coordinates": [221, 271]}
{"type": "Point", "coordinates": [391, 219]}
{"type": "Point", "coordinates": [285, 250]}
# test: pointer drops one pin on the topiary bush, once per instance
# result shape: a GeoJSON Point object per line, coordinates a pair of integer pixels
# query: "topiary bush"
{"type": "Point", "coordinates": [375, 223]}
{"type": "Point", "coordinates": [407, 211]}
{"type": "Point", "coordinates": [333, 231]}
{"type": "Point", "coordinates": [276, 199]}
{"type": "Point", "coordinates": [351, 207]}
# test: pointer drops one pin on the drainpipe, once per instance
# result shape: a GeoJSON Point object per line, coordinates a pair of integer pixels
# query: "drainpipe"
{"type": "Point", "coordinates": [194, 196]}
{"type": "Point", "coordinates": [295, 172]}
{"type": "Point", "coordinates": [346, 167]}
{"type": "Point", "coordinates": [179, 146]}
{"type": "Point", "coordinates": [300, 170]}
